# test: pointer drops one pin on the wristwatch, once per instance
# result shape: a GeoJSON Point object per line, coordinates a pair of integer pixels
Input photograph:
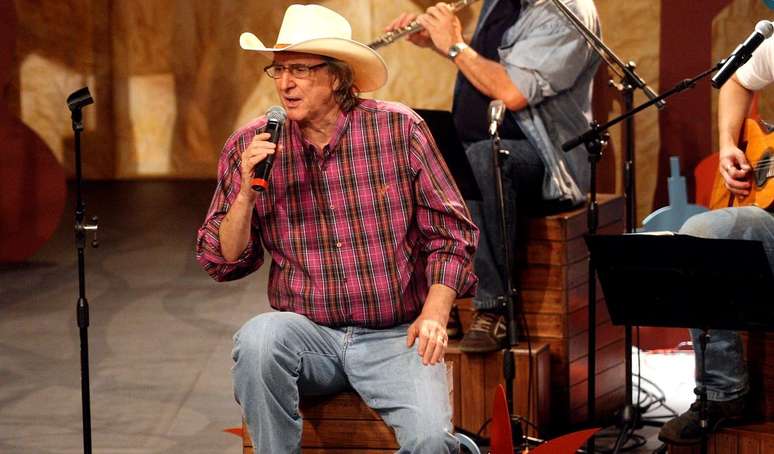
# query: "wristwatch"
{"type": "Point", "coordinates": [456, 49]}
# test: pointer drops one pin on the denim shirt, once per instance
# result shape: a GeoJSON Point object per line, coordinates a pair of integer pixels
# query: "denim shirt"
{"type": "Point", "coordinates": [553, 67]}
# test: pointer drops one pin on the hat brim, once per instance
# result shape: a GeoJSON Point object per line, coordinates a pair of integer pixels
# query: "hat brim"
{"type": "Point", "coordinates": [369, 68]}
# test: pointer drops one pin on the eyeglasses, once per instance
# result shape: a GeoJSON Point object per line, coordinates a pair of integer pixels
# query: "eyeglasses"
{"type": "Point", "coordinates": [297, 70]}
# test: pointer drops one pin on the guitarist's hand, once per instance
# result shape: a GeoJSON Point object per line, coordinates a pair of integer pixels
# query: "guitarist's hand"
{"type": "Point", "coordinates": [735, 169]}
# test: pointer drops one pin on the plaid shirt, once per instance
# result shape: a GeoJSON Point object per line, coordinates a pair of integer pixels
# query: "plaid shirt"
{"type": "Point", "coordinates": [358, 231]}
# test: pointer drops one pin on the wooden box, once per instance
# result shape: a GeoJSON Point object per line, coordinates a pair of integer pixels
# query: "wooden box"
{"type": "Point", "coordinates": [760, 362]}
{"type": "Point", "coordinates": [476, 377]}
{"type": "Point", "coordinates": [554, 291]}
{"type": "Point", "coordinates": [747, 439]}
{"type": "Point", "coordinates": [343, 423]}
{"type": "Point", "coordinates": [339, 424]}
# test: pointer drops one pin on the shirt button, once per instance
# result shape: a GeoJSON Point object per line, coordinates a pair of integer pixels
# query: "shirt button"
{"type": "Point", "coordinates": [331, 207]}
{"type": "Point", "coordinates": [338, 244]}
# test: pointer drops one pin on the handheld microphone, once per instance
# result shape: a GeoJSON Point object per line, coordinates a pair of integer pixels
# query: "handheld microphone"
{"type": "Point", "coordinates": [275, 119]}
{"type": "Point", "coordinates": [741, 54]}
{"type": "Point", "coordinates": [496, 114]}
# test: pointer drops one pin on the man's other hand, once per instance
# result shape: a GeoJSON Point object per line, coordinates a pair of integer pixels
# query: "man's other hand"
{"type": "Point", "coordinates": [432, 339]}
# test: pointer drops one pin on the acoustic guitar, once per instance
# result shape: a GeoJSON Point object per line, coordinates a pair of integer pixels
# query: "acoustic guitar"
{"type": "Point", "coordinates": [759, 150]}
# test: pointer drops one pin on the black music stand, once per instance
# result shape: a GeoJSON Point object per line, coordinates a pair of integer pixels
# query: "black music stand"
{"type": "Point", "coordinates": [686, 282]}
{"type": "Point", "coordinates": [442, 127]}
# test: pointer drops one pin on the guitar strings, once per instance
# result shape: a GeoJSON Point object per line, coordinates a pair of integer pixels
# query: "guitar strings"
{"type": "Point", "coordinates": [766, 163]}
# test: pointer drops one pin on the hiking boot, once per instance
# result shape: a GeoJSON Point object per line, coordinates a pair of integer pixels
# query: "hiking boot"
{"type": "Point", "coordinates": [486, 333]}
{"type": "Point", "coordinates": [685, 429]}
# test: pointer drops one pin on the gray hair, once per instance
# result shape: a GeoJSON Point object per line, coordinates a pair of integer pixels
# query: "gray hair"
{"type": "Point", "coordinates": [346, 93]}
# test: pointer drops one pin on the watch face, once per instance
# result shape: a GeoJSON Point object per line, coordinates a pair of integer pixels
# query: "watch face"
{"type": "Point", "coordinates": [454, 50]}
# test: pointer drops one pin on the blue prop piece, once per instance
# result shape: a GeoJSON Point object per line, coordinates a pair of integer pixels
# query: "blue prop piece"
{"type": "Point", "coordinates": [672, 217]}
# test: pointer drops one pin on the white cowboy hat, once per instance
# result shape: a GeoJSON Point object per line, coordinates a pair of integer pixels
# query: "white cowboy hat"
{"type": "Point", "coordinates": [317, 30]}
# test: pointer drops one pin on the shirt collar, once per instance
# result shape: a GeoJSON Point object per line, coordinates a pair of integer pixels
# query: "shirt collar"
{"type": "Point", "coordinates": [342, 124]}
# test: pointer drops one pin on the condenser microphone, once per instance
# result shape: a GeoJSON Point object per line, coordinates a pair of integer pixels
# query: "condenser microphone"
{"type": "Point", "coordinates": [275, 119]}
{"type": "Point", "coordinates": [741, 54]}
{"type": "Point", "coordinates": [496, 114]}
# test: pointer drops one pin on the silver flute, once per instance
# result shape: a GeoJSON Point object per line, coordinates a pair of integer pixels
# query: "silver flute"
{"type": "Point", "coordinates": [413, 27]}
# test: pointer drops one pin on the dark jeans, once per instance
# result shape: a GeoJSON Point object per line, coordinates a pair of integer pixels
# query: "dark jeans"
{"type": "Point", "coordinates": [522, 185]}
{"type": "Point", "coordinates": [725, 375]}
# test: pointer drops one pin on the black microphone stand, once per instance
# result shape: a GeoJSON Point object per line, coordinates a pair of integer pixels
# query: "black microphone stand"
{"type": "Point", "coordinates": [75, 102]}
{"type": "Point", "coordinates": [510, 300]}
{"type": "Point", "coordinates": [701, 390]}
{"type": "Point", "coordinates": [629, 81]}
{"type": "Point", "coordinates": [592, 138]}
{"type": "Point", "coordinates": [683, 85]}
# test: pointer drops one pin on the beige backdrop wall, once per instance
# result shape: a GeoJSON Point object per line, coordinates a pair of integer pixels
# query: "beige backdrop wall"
{"type": "Point", "coordinates": [170, 82]}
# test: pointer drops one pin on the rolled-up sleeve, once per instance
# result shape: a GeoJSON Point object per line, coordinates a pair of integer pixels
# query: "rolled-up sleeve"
{"type": "Point", "coordinates": [546, 58]}
{"type": "Point", "coordinates": [208, 248]}
{"type": "Point", "coordinates": [450, 236]}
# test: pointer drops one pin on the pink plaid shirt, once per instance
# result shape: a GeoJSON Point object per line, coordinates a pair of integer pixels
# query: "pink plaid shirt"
{"type": "Point", "coordinates": [358, 231]}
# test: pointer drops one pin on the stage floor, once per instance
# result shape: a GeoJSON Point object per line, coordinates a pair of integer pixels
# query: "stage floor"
{"type": "Point", "coordinates": [160, 334]}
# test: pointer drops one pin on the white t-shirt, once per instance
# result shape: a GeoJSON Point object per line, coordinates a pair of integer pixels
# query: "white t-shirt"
{"type": "Point", "coordinates": [758, 72]}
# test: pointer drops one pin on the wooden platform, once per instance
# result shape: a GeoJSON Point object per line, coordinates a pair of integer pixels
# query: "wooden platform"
{"type": "Point", "coordinates": [747, 439]}
{"type": "Point", "coordinates": [554, 285]}
{"type": "Point", "coordinates": [760, 362]}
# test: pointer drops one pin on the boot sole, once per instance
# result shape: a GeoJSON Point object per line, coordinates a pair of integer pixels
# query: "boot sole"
{"type": "Point", "coordinates": [720, 424]}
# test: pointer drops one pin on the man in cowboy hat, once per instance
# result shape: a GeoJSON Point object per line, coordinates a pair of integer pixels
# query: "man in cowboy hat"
{"type": "Point", "coordinates": [527, 54]}
{"type": "Point", "coordinates": [369, 239]}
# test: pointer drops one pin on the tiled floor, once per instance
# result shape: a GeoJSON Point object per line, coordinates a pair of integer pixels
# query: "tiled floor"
{"type": "Point", "coordinates": [160, 334]}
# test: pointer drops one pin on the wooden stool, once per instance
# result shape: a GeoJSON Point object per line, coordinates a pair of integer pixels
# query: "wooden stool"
{"type": "Point", "coordinates": [476, 377]}
{"type": "Point", "coordinates": [747, 439]}
{"type": "Point", "coordinates": [342, 423]}
{"type": "Point", "coordinates": [760, 363]}
{"type": "Point", "coordinates": [336, 423]}
{"type": "Point", "coordinates": [756, 437]}
{"type": "Point", "coordinates": [554, 290]}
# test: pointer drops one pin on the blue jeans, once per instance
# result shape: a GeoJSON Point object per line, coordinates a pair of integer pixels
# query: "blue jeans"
{"type": "Point", "coordinates": [725, 375]}
{"type": "Point", "coordinates": [280, 356]}
{"type": "Point", "coordinates": [522, 186]}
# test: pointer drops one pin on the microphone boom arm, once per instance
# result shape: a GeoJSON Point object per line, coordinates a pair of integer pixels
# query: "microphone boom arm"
{"type": "Point", "coordinates": [623, 70]}
{"type": "Point", "coordinates": [685, 84]}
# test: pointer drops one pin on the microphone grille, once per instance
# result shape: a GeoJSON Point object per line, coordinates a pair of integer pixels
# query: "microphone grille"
{"type": "Point", "coordinates": [765, 28]}
{"type": "Point", "coordinates": [277, 114]}
{"type": "Point", "coordinates": [496, 110]}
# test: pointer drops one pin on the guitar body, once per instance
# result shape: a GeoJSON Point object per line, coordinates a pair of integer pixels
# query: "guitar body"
{"type": "Point", "coordinates": [32, 182]}
{"type": "Point", "coordinates": [760, 154]}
